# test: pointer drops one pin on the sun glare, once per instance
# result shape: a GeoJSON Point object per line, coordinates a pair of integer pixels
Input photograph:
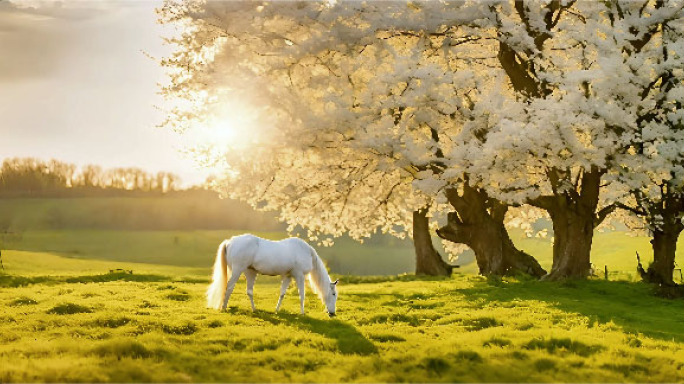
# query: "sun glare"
{"type": "Point", "coordinates": [232, 128]}
{"type": "Point", "coordinates": [220, 131]}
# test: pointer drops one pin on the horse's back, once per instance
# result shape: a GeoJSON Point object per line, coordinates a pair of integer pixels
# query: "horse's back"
{"type": "Point", "coordinates": [242, 249]}
{"type": "Point", "coordinates": [291, 255]}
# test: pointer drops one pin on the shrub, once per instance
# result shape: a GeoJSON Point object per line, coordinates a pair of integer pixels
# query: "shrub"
{"type": "Point", "coordinates": [384, 338]}
{"type": "Point", "coordinates": [544, 365]}
{"type": "Point", "coordinates": [499, 342]}
{"type": "Point", "coordinates": [123, 348]}
{"type": "Point", "coordinates": [178, 297]}
{"type": "Point", "coordinates": [626, 369]}
{"type": "Point", "coordinates": [552, 345]}
{"type": "Point", "coordinates": [113, 323]}
{"type": "Point", "coordinates": [69, 309]}
{"type": "Point", "coordinates": [479, 323]}
{"type": "Point", "coordinates": [185, 329]}
{"type": "Point", "coordinates": [215, 324]}
{"type": "Point", "coordinates": [471, 356]}
{"type": "Point", "coordinates": [436, 365]}
{"type": "Point", "coordinates": [23, 301]}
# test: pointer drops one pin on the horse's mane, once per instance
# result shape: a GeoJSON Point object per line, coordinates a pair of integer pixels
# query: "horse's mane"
{"type": "Point", "coordinates": [319, 280]}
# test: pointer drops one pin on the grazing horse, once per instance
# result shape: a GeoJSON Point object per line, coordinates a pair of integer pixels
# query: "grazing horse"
{"type": "Point", "coordinates": [289, 258]}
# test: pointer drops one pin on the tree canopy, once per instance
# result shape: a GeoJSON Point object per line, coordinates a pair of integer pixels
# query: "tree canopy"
{"type": "Point", "coordinates": [372, 111]}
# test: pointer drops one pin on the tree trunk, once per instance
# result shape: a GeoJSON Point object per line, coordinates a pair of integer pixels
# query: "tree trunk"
{"type": "Point", "coordinates": [428, 260]}
{"type": "Point", "coordinates": [574, 216]}
{"type": "Point", "coordinates": [478, 223]}
{"type": "Point", "coordinates": [664, 247]}
{"type": "Point", "coordinates": [573, 233]}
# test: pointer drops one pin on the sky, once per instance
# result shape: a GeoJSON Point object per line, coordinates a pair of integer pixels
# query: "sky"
{"type": "Point", "coordinates": [77, 86]}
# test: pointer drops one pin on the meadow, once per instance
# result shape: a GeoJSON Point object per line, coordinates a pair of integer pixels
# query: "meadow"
{"type": "Point", "coordinates": [152, 325]}
{"type": "Point", "coordinates": [73, 313]}
{"type": "Point", "coordinates": [184, 230]}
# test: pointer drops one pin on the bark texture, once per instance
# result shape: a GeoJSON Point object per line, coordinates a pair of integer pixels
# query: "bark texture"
{"type": "Point", "coordinates": [573, 229]}
{"type": "Point", "coordinates": [664, 244]}
{"type": "Point", "coordinates": [574, 215]}
{"type": "Point", "coordinates": [478, 222]}
{"type": "Point", "coordinates": [428, 260]}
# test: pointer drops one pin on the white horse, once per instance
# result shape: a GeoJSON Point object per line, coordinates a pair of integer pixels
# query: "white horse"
{"type": "Point", "coordinates": [290, 258]}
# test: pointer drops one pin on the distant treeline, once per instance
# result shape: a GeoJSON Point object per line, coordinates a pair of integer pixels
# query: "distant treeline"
{"type": "Point", "coordinates": [179, 210]}
{"type": "Point", "coordinates": [54, 195]}
{"type": "Point", "coordinates": [30, 177]}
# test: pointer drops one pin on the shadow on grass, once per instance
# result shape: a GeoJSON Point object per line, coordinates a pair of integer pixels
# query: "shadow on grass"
{"type": "Point", "coordinates": [351, 279]}
{"type": "Point", "coordinates": [349, 340]}
{"type": "Point", "coordinates": [116, 277]}
{"type": "Point", "coordinates": [632, 306]}
{"type": "Point", "coordinates": [14, 281]}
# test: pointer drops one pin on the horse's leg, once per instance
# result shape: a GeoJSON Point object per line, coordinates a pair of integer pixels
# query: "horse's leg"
{"type": "Point", "coordinates": [230, 286]}
{"type": "Point", "coordinates": [301, 282]}
{"type": "Point", "coordinates": [283, 290]}
{"type": "Point", "coordinates": [250, 275]}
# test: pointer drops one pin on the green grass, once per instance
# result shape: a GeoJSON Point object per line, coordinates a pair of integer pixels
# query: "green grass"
{"type": "Point", "coordinates": [196, 249]}
{"type": "Point", "coordinates": [186, 210]}
{"type": "Point", "coordinates": [122, 229]}
{"type": "Point", "coordinates": [465, 328]}
{"type": "Point", "coordinates": [187, 249]}
{"type": "Point", "coordinates": [72, 312]}
{"type": "Point", "coordinates": [616, 249]}
{"type": "Point", "coordinates": [29, 267]}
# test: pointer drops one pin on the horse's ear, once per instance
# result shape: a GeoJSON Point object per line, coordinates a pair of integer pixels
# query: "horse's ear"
{"type": "Point", "coordinates": [336, 281]}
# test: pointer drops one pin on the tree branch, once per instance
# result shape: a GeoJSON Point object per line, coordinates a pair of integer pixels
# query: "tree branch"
{"type": "Point", "coordinates": [603, 213]}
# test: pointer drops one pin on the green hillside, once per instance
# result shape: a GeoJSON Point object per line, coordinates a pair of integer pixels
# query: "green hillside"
{"type": "Point", "coordinates": [72, 312]}
{"type": "Point", "coordinates": [198, 249]}
{"type": "Point", "coordinates": [185, 229]}
{"type": "Point", "coordinates": [184, 210]}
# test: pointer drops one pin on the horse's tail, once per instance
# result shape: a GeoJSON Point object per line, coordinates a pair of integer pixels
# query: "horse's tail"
{"type": "Point", "coordinates": [319, 279]}
{"type": "Point", "coordinates": [219, 280]}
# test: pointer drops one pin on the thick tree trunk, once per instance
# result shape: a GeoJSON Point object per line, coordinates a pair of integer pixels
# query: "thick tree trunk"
{"type": "Point", "coordinates": [574, 215]}
{"type": "Point", "coordinates": [664, 247]}
{"type": "Point", "coordinates": [428, 260]}
{"type": "Point", "coordinates": [573, 233]}
{"type": "Point", "coordinates": [478, 223]}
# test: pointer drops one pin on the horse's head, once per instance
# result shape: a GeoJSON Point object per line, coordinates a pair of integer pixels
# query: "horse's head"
{"type": "Point", "coordinates": [331, 299]}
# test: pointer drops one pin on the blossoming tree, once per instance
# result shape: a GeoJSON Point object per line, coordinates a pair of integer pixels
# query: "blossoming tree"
{"type": "Point", "coordinates": [381, 115]}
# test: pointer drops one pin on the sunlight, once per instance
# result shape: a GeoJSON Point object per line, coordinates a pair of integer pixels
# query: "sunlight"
{"type": "Point", "coordinates": [228, 131]}
{"type": "Point", "coordinates": [233, 126]}
{"type": "Point", "coordinates": [220, 131]}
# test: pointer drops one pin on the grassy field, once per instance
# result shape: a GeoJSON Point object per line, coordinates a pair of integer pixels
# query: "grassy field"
{"type": "Point", "coordinates": [198, 249]}
{"type": "Point", "coordinates": [172, 230]}
{"type": "Point", "coordinates": [185, 210]}
{"type": "Point", "coordinates": [67, 317]}
{"type": "Point", "coordinates": [385, 255]}
{"type": "Point", "coordinates": [77, 322]}
{"type": "Point", "coordinates": [616, 250]}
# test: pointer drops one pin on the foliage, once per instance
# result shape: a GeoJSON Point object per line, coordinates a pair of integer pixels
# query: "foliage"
{"type": "Point", "coordinates": [541, 103]}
